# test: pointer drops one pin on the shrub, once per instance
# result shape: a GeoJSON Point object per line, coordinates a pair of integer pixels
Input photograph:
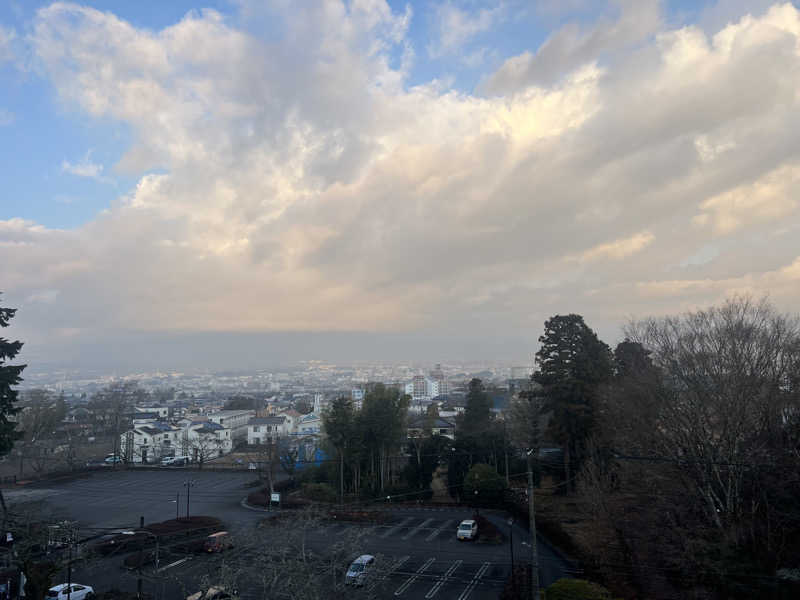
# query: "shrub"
{"type": "Point", "coordinates": [319, 492]}
{"type": "Point", "coordinates": [577, 589]}
{"type": "Point", "coordinates": [483, 485]}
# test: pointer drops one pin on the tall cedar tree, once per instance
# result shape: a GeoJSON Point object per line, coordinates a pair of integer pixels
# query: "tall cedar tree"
{"type": "Point", "coordinates": [10, 375]}
{"type": "Point", "coordinates": [339, 424]}
{"type": "Point", "coordinates": [572, 363]}
{"type": "Point", "coordinates": [477, 413]}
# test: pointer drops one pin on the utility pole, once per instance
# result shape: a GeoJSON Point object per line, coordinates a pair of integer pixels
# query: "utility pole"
{"type": "Point", "coordinates": [511, 549]}
{"type": "Point", "coordinates": [177, 506]}
{"type": "Point", "coordinates": [188, 483]}
{"type": "Point", "coordinates": [69, 571]}
{"type": "Point", "coordinates": [141, 545]}
{"type": "Point", "coordinates": [532, 519]}
{"type": "Point", "coordinates": [505, 450]}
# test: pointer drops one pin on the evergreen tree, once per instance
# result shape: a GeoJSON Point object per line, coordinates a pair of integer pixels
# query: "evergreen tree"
{"type": "Point", "coordinates": [477, 413]}
{"type": "Point", "coordinates": [572, 363]}
{"type": "Point", "coordinates": [339, 425]}
{"type": "Point", "coordinates": [10, 375]}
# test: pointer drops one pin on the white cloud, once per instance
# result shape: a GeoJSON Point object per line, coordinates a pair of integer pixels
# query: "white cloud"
{"type": "Point", "coordinates": [85, 168]}
{"type": "Point", "coordinates": [307, 186]}
{"type": "Point", "coordinates": [618, 249]}
{"type": "Point", "coordinates": [769, 198]}
{"type": "Point", "coordinates": [572, 47]}
{"type": "Point", "coordinates": [457, 26]}
{"type": "Point", "coordinates": [6, 117]}
{"type": "Point", "coordinates": [7, 38]}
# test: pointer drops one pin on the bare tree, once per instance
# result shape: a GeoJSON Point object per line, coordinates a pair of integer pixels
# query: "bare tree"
{"type": "Point", "coordinates": [265, 457]}
{"type": "Point", "coordinates": [204, 445]}
{"type": "Point", "coordinates": [726, 390]}
{"type": "Point", "coordinates": [285, 566]}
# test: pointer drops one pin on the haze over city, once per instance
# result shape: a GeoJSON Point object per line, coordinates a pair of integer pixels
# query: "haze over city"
{"type": "Point", "coordinates": [250, 183]}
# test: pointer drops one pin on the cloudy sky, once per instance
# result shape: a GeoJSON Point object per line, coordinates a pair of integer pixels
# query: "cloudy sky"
{"type": "Point", "coordinates": [243, 181]}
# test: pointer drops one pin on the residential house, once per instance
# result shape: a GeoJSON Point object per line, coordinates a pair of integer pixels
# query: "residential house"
{"type": "Point", "coordinates": [233, 420]}
{"type": "Point", "coordinates": [423, 426]}
{"type": "Point", "coordinates": [292, 419]}
{"type": "Point", "coordinates": [150, 442]}
{"type": "Point", "coordinates": [204, 440]}
{"type": "Point", "coordinates": [161, 412]}
{"type": "Point", "coordinates": [260, 430]}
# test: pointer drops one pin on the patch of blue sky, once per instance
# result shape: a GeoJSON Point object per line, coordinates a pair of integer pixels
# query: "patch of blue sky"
{"type": "Point", "coordinates": [41, 138]}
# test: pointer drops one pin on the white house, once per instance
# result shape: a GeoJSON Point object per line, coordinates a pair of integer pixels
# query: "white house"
{"type": "Point", "coordinates": [204, 440]}
{"type": "Point", "coordinates": [292, 419]}
{"type": "Point", "coordinates": [233, 420]}
{"type": "Point", "coordinates": [262, 429]}
{"type": "Point", "coordinates": [150, 442]}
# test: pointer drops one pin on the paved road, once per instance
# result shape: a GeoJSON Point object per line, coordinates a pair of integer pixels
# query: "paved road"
{"type": "Point", "coordinates": [118, 498]}
{"type": "Point", "coordinates": [420, 557]}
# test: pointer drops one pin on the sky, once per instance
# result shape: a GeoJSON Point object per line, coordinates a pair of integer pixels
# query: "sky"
{"type": "Point", "coordinates": [241, 182]}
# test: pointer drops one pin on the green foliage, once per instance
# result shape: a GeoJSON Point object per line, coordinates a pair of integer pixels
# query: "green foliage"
{"type": "Point", "coordinates": [338, 423]}
{"type": "Point", "coordinates": [242, 403]}
{"type": "Point", "coordinates": [422, 464]}
{"type": "Point", "coordinates": [631, 359]}
{"type": "Point", "coordinates": [483, 485]}
{"type": "Point", "coordinates": [576, 589]}
{"type": "Point", "coordinates": [303, 406]}
{"type": "Point", "coordinates": [10, 375]}
{"type": "Point", "coordinates": [319, 492]}
{"type": "Point", "coordinates": [572, 364]}
{"type": "Point", "coordinates": [477, 413]}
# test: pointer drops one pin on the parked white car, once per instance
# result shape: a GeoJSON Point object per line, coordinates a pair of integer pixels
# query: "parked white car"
{"type": "Point", "coordinates": [359, 570]}
{"type": "Point", "coordinates": [76, 591]}
{"type": "Point", "coordinates": [467, 530]}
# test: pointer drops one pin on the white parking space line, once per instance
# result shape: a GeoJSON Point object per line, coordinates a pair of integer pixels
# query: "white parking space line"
{"type": "Point", "coordinates": [175, 564]}
{"type": "Point", "coordinates": [443, 579]}
{"type": "Point", "coordinates": [471, 585]}
{"type": "Point", "coordinates": [438, 530]}
{"type": "Point", "coordinates": [414, 577]}
{"type": "Point", "coordinates": [395, 565]}
{"type": "Point", "coordinates": [402, 523]}
{"type": "Point", "coordinates": [411, 532]}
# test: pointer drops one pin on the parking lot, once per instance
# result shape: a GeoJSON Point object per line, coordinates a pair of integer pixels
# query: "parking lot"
{"type": "Point", "coordinates": [417, 548]}
{"type": "Point", "coordinates": [117, 498]}
{"type": "Point", "coordinates": [423, 558]}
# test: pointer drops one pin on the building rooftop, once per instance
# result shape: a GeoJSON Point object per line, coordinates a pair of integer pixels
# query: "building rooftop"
{"type": "Point", "coordinates": [267, 421]}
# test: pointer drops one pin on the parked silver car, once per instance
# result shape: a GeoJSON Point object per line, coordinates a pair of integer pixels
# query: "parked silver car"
{"type": "Point", "coordinates": [467, 530]}
{"type": "Point", "coordinates": [76, 591]}
{"type": "Point", "coordinates": [359, 571]}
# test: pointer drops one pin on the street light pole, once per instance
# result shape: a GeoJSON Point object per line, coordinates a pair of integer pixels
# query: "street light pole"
{"type": "Point", "coordinates": [511, 544]}
{"type": "Point", "coordinates": [532, 519]}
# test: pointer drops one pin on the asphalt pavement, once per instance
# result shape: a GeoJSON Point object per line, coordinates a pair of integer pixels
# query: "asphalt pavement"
{"type": "Point", "coordinates": [420, 556]}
